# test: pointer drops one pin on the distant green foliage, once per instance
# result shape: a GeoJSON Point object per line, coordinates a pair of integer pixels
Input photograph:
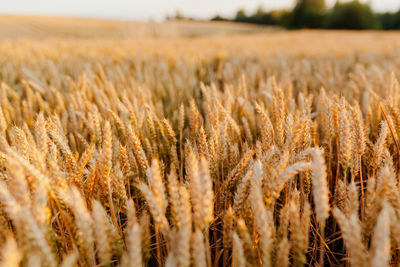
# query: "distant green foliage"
{"type": "Point", "coordinates": [390, 21]}
{"type": "Point", "coordinates": [219, 18]}
{"type": "Point", "coordinates": [261, 16]}
{"type": "Point", "coordinates": [308, 14]}
{"type": "Point", "coordinates": [353, 15]}
{"type": "Point", "coordinates": [241, 16]}
{"type": "Point", "coordinates": [314, 14]}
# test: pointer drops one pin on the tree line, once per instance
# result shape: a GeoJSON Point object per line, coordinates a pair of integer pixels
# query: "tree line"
{"type": "Point", "coordinates": [314, 14]}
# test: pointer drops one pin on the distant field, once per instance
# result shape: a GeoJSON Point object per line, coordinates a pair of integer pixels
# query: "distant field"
{"type": "Point", "coordinates": [39, 27]}
{"type": "Point", "coordinates": [135, 144]}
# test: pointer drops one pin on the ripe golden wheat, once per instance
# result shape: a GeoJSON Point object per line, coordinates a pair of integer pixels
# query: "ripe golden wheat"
{"type": "Point", "coordinates": [278, 150]}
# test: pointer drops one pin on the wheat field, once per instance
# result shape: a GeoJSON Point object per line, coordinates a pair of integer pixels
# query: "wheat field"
{"type": "Point", "coordinates": [264, 149]}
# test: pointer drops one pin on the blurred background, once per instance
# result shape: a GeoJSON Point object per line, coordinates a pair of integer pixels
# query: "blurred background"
{"type": "Point", "coordinates": [372, 14]}
{"type": "Point", "coordinates": [155, 18]}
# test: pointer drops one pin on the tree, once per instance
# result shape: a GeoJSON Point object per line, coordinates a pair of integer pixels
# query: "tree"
{"type": "Point", "coordinates": [219, 18]}
{"type": "Point", "coordinates": [353, 15]}
{"type": "Point", "coordinates": [259, 17]}
{"type": "Point", "coordinates": [241, 16]}
{"type": "Point", "coordinates": [308, 14]}
{"type": "Point", "coordinates": [317, 6]}
{"type": "Point", "coordinates": [390, 21]}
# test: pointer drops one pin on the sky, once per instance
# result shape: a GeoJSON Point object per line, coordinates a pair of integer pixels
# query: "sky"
{"type": "Point", "coordinates": [154, 9]}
